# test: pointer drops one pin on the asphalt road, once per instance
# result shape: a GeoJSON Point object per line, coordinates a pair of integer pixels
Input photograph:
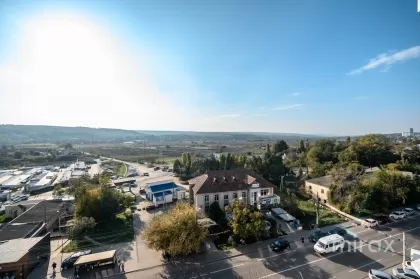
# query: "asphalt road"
{"type": "Point", "coordinates": [376, 248]}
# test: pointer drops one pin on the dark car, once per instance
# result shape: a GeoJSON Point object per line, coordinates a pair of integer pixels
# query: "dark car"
{"type": "Point", "coordinates": [317, 235]}
{"type": "Point", "coordinates": [146, 174]}
{"type": "Point", "coordinates": [280, 245]}
{"type": "Point", "coordinates": [69, 262]}
{"type": "Point", "coordinates": [337, 230]}
{"type": "Point", "coordinates": [150, 207]}
{"type": "Point", "coordinates": [382, 219]}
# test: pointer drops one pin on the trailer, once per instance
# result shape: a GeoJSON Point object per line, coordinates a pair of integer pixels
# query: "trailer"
{"type": "Point", "coordinates": [91, 261]}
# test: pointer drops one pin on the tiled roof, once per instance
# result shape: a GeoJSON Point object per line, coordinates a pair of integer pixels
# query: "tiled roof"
{"type": "Point", "coordinates": [225, 181]}
{"type": "Point", "coordinates": [323, 181]}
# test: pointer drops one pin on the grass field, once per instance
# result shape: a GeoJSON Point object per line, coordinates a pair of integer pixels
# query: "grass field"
{"type": "Point", "coordinates": [307, 215]}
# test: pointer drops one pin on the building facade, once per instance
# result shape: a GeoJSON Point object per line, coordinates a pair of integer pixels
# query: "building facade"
{"type": "Point", "coordinates": [225, 187]}
{"type": "Point", "coordinates": [318, 188]}
{"type": "Point", "coordinates": [163, 192]}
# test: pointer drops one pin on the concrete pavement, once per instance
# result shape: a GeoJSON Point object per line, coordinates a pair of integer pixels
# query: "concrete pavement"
{"type": "Point", "coordinates": [302, 262]}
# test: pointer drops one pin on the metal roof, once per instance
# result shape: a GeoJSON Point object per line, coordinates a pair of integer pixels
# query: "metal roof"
{"type": "Point", "coordinates": [163, 186]}
{"type": "Point", "coordinates": [95, 257]}
{"type": "Point", "coordinates": [13, 250]}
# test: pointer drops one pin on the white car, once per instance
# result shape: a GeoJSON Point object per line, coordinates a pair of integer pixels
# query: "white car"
{"type": "Point", "coordinates": [370, 223]}
{"type": "Point", "coordinates": [405, 273]}
{"type": "Point", "coordinates": [408, 211]}
{"type": "Point", "coordinates": [377, 274]}
{"type": "Point", "coordinates": [397, 215]}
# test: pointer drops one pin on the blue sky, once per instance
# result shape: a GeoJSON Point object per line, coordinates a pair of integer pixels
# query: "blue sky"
{"type": "Point", "coordinates": [323, 67]}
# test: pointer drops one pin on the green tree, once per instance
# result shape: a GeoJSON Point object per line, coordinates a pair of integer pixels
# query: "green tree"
{"type": "Point", "coordinates": [374, 150]}
{"type": "Point", "coordinates": [18, 155]}
{"type": "Point", "coordinates": [280, 146]}
{"type": "Point", "coordinates": [68, 146]}
{"type": "Point", "coordinates": [176, 232]}
{"type": "Point", "coordinates": [302, 147]}
{"type": "Point", "coordinates": [322, 152]}
{"type": "Point", "coordinates": [246, 223]}
{"type": "Point", "coordinates": [177, 168]}
{"type": "Point", "coordinates": [217, 214]}
{"type": "Point", "coordinates": [81, 226]}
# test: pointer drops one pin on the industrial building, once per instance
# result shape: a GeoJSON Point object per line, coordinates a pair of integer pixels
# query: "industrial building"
{"type": "Point", "coordinates": [37, 220]}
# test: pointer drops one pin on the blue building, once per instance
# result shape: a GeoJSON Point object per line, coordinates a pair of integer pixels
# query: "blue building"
{"type": "Point", "coordinates": [162, 192]}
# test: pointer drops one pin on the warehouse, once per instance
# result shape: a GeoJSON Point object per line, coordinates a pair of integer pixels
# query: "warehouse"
{"type": "Point", "coordinates": [18, 257]}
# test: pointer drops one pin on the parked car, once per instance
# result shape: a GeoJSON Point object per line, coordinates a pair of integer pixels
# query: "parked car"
{"type": "Point", "coordinates": [337, 230]}
{"type": "Point", "coordinates": [408, 211]}
{"type": "Point", "coordinates": [377, 274]}
{"type": "Point", "coordinates": [142, 192]}
{"type": "Point", "coordinates": [280, 245]}
{"type": "Point", "coordinates": [68, 262]}
{"type": "Point", "coordinates": [382, 218]}
{"type": "Point", "coordinates": [405, 273]}
{"type": "Point", "coordinates": [145, 174]}
{"type": "Point", "coordinates": [156, 168]}
{"type": "Point", "coordinates": [317, 235]}
{"type": "Point", "coordinates": [150, 207]}
{"type": "Point", "coordinates": [370, 223]}
{"type": "Point", "coordinates": [170, 170]}
{"type": "Point", "coordinates": [397, 215]}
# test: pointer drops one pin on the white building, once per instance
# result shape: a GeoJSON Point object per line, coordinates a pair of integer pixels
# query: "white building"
{"type": "Point", "coordinates": [164, 192]}
{"type": "Point", "coordinates": [226, 186]}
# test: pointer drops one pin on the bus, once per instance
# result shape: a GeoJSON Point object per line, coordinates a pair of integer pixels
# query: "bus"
{"type": "Point", "coordinates": [91, 261]}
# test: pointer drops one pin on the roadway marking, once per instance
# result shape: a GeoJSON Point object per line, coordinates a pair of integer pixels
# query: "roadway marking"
{"type": "Point", "coordinates": [324, 258]}
{"type": "Point", "coordinates": [226, 268]}
{"type": "Point", "coordinates": [277, 255]}
{"type": "Point", "coordinates": [365, 265]}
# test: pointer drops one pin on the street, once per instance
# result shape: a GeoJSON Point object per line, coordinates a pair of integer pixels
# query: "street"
{"type": "Point", "coordinates": [302, 262]}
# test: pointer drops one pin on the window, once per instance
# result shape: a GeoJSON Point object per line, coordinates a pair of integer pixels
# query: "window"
{"type": "Point", "coordinates": [235, 195]}
{"type": "Point", "coordinates": [325, 201]}
{"type": "Point", "coordinates": [226, 200]}
{"type": "Point", "coordinates": [264, 192]}
{"type": "Point", "coordinates": [206, 204]}
{"type": "Point", "coordinates": [310, 187]}
{"type": "Point", "coordinates": [243, 195]}
{"type": "Point", "coordinates": [216, 198]}
{"type": "Point", "coordinates": [322, 191]}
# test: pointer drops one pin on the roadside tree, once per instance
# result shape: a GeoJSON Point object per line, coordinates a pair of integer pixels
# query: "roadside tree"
{"type": "Point", "coordinates": [175, 232]}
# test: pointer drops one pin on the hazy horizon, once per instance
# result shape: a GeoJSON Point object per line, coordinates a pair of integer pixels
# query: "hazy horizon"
{"type": "Point", "coordinates": [303, 67]}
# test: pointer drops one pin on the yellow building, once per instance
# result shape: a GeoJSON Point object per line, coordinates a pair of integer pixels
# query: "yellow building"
{"type": "Point", "coordinates": [319, 187]}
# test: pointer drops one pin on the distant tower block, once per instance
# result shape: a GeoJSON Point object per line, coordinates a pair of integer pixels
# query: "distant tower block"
{"type": "Point", "coordinates": [411, 129]}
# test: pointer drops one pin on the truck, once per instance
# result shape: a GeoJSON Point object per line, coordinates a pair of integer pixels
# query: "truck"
{"type": "Point", "coordinates": [91, 261]}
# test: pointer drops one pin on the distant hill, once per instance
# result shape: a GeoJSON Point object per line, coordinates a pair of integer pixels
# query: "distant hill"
{"type": "Point", "coordinates": [10, 134]}
{"type": "Point", "coordinates": [37, 133]}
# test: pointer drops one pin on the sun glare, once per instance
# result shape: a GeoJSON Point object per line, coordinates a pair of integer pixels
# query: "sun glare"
{"type": "Point", "coordinates": [67, 46]}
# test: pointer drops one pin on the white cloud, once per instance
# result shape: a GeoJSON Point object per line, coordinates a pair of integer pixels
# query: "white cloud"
{"type": "Point", "coordinates": [388, 59]}
{"type": "Point", "coordinates": [296, 94]}
{"type": "Point", "coordinates": [235, 115]}
{"type": "Point", "coordinates": [289, 107]}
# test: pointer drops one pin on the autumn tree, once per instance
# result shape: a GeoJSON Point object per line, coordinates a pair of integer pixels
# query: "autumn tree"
{"type": "Point", "coordinates": [176, 232]}
{"type": "Point", "coordinates": [246, 222]}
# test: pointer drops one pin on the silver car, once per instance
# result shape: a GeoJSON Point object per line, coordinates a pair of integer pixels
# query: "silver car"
{"type": "Point", "coordinates": [377, 274]}
{"type": "Point", "coordinates": [405, 273]}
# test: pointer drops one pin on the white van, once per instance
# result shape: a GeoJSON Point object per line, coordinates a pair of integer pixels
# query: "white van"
{"type": "Point", "coordinates": [330, 243]}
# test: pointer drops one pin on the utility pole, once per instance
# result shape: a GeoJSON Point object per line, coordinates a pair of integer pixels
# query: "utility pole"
{"type": "Point", "coordinates": [403, 261]}
{"type": "Point", "coordinates": [317, 209]}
